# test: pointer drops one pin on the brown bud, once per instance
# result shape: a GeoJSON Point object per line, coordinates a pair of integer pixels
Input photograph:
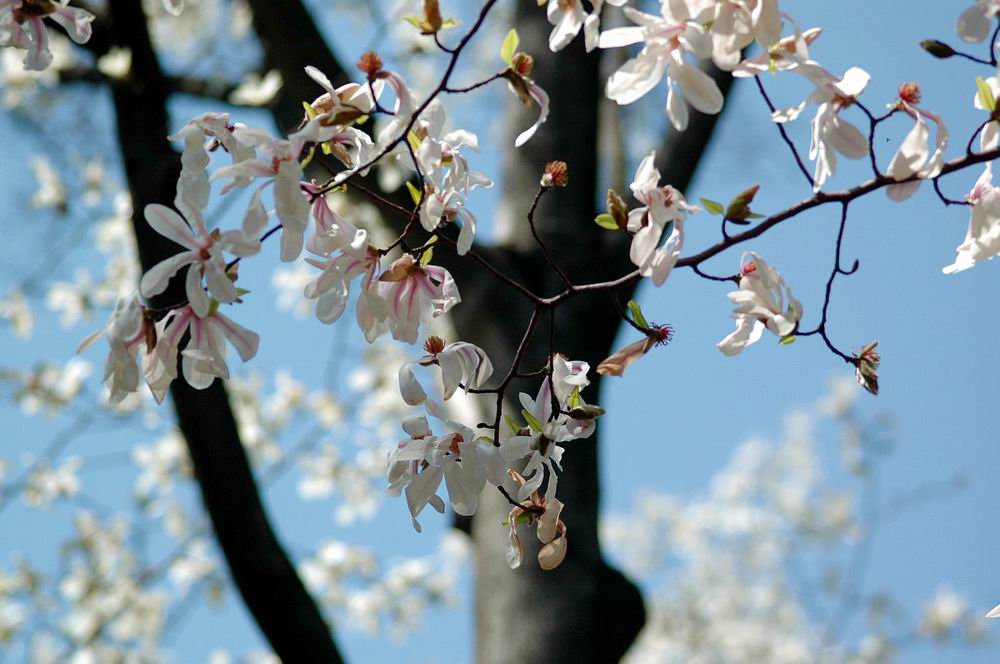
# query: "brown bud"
{"type": "Point", "coordinates": [910, 92]}
{"type": "Point", "coordinates": [556, 174]}
{"type": "Point", "coordinates": [937, 48]}
{"type": "Point", "coordinates": [617, 209]}
{"type": "Point", "coordinates": [432, 16]}
{"type": "Point", "coordinates": [522, 63]}
{"type": "Point", "coordinates": [370, 63]}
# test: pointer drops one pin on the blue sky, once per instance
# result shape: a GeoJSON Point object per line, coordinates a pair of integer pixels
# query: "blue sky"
{"type": "Point", "coordinates": [676, 418]}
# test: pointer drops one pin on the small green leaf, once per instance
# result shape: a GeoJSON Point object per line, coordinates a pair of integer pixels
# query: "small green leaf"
{"type": "Point", "coordinates": [784, 341]}
{"type": "Point", "coordinates": [416, 21]}
{"type": "Point", "coordinates": [240, 292]}
{"type": "Point", "coordinates": [414, 141]}
{"type": "Point", "coordinates": [712, 207]}
{"type": "Point", "coordinates": [427, 257]}
{"type": "Point", "coordinates": [986, 95]}
{"type": "Point", "coordinates": [213, 307]}
{"type": "Point", "coordinates": [415, 193]}
{"type": "Point", "coordinates": [574, 398]}
{"type": "Point", "coordinates": [509, 47]}
{"type": "Point", "coordinates": [637, 316]}
{"type": "Point", "coordinates": [515, 428]}
{"type": "Point", "coordinates": [450, 23]}
{"type": "Point", "coordinates": [532, 421]}
{"type": "Point", "coordinates": [606, 221]}
{"type": "Point", "coordinates": [310, 111]}
{"type": "Point", "coordinates": [754, 215]}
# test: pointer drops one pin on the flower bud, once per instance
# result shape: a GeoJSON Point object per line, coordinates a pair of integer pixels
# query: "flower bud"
{"type": "Point", "coordinates": [937, 48]}
{"type": "Point", "coordinates": [370, 63]}
{"type": "Point", "coordinates": [866, 364]}
{"type": "Point", "coordinates": [556, 174]}
{"type": "Point", "coordinates": [739, 208]}
{"type": "Point", "coordinates": [522, 63]}
{"type": "Point", "coordinates": [910, 92]}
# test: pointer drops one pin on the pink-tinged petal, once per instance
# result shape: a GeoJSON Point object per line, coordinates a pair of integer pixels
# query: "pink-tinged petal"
{"type": "Point", "coordinates": [618, 37]}
{"type": "Point", "coordinates": [699, 89]}
{"type": "Point", "coordinates": [568, 22]}
{"type": "Point", "coordinates": [75, 21]}
{"type": "Point", "coordinates": [542, 99]}
{"type": "Point", "coordinates": [155, 280]}
{"type": "Point", "coordinates": [620, 360]}
{"type": "Point", "coordinates": [255, 219]}
{"type": "Point", "coordinates": [912, 152]}
{"type": "Point", "coordinates": [170, 225]}
{"type": "Point", "coordinates": [197, 297]}
{"type": "Point", "coordinates": [243, 340]}
{"type": "Point", "coordinates": [635, 78]}
{"type": "Point", "coordinates": [847, 139]}
{"type": "Point", "coordinates": [219, 284]}
{"type": "Point", "coordinates": [38, 56]}
{"type": "Point", "coordinates": [411, 391]}
{"type": "Point", "coordinates": [900, 192]}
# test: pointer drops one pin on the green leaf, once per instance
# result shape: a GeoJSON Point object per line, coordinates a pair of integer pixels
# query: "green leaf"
{"type": "Point", "coordinates": [637, 316]}
{"type": "Point", "coordinates": [532, 421]}
{"type": "Point", "coordinates": [240, 292]}
{"type": "Point", "coordinates": [574, 398]}
{"type": "Point", "coordinates": [310, 111]}
{"type": "Point", "coordinates": [509, 47]}
{"type": "Point", "coordinates": [784, 341]}
{"type": "Point", "coordinates": [450, 23]}
{"type": "Point", "coordinates": [986, 95]}
{"type": "Point", "coordinates": [414, 141]}
{"type": "Point", "coordinates": [515, 428]}
{"type": "Point", "coordinates": [416, 21]}
{"type": "Point", "coordinates": [427, 257]}
{"type": "Point", "coordinates": [754, 215]}
{"type": "Point", "coordinates": [415, 193]}
{"type": "Point", "coordinates": [712, 207]}
{"type": "Point", "coordinates": [606, 221]}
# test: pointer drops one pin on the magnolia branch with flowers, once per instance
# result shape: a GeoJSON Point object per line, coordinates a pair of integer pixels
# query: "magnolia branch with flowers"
{"type": "Point", "coordinates": [189, 338]}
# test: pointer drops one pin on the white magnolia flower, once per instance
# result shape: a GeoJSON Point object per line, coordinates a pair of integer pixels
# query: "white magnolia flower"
{"type": "Point", "coordinates": [127, 330]}
{"type": "Point", "coordinates": [462, 365]}
{"type": "Point", "coordinates": [764, 300]}
{"type": "Point", "coordinates": [331, 290]}
{"type": "Point", "coordinates": [413, 294]}
{"type": "Point", "coordinates": [204, 253]}
{"type": "Point", "coordinates": [282, 168]}
{"type": "Point", "coordinates": [982, 239]}
{"type": "Point", "coordinates": [204, 357]}
{"type": "Point", "coordinates": [830, 133]}
{"type": "Point", "coordinates": [21, 26]}
{"type": "Point", "coordinates": [665, 39]}
{"type": "Point", "coordinates": [568, 17]}
{"type": "Point", "coordinates": [664, 210]}
{"type": "Point", "coordinates": [914, 157]}
{"type": "Point", "coordinates": [789, 54]}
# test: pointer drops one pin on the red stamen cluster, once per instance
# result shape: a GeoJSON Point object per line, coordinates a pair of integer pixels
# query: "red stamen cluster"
{"type": "Point", "coordinates": [910, 92]}
{"type": "Point", "coordinates": [661, 334]}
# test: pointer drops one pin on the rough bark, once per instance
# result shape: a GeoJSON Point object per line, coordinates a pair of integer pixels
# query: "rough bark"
{"type": "Point", "coordinates": [261, 570]}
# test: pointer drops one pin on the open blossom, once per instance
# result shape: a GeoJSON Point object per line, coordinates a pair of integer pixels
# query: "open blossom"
{"type": "Point", "coordinates": [568, 16]}
{"type": "Point", "coordinates": [126, 331]}
{"type": "Point", "coordinates": [414, 293]}
{"type": "Point", "coordinates": [866, 364]}
{"type": "Point", "coordinates": [914, 156]}
{"type": "Point", "coordinates": [331, 289]}
{"type": "Point", "coordinates": [734, 25]}
{"type": "Point", "coordinates": [788, 54]}
{"type": "Point", "coordinates": [982, 239]}
{"type": "Point", "coordinates": [975, 23]}
{"type": "Point", "coordinates": [282, 169]}
{"type": "Point", "coordinates": [549, 528]}
{"type": "Point", "coordinates": [203, 359]}
{"type": "Point", "coordinates": [333, 232]}
{"type": "Point", "coordinates": [539, 442]}
{"type": "Point", "coordinates": [462, 364]}
{"type": "Point", "coordinates": [21, 26]}
{"type": "Point", "coordinates": [764, 300]}
{"type": "Point", "coordinates": [665, 39]}
{"type": "Point", "coordinates": [202, 135]}
{"type": "Point", "coordinates": [664, 210]}
{"type": "Point", "coordinates": [464, 461]}
{"type": "Point", "coordinates": [830, 133]}
{"type": "Point", "coordinates": [204, 254]}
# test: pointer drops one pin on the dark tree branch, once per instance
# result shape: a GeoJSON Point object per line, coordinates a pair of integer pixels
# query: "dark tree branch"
{"type": "Point", "coordinates": [265, 577]}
